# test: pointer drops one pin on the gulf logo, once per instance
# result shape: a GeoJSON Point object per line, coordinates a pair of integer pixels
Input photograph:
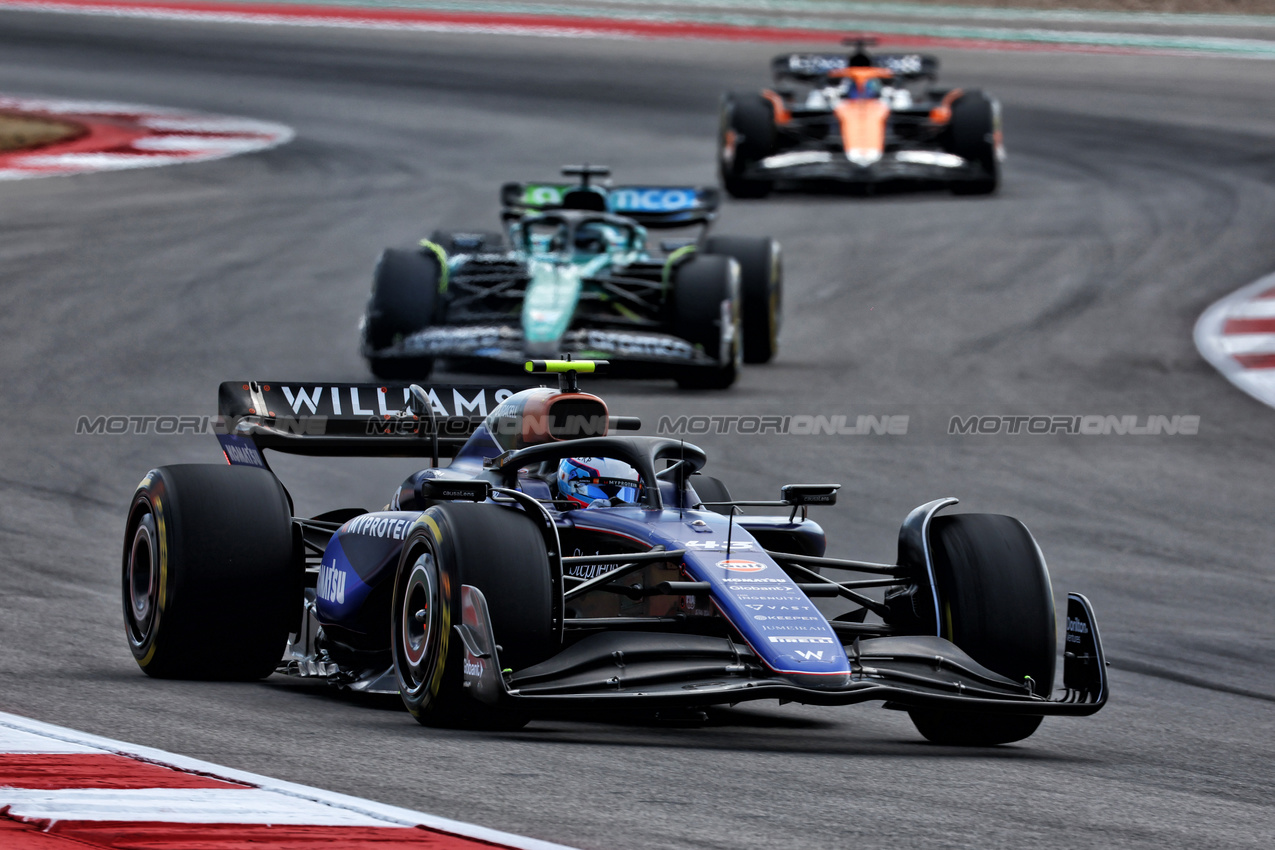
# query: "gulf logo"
{"type": "Point", "coordinates": [736, 566]}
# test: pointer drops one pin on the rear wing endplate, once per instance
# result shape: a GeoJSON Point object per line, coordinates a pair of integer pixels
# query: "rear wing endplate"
{"type": "Point", "coordinates": [346, 420]}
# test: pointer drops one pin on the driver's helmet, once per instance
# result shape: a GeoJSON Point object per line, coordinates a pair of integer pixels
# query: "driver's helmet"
{"type": "Point", "coordinates": [868, 90]}
{"type": "Point", "coordinates": [591, 238]}
{"type": "Point", "coordinates": [592, 482]}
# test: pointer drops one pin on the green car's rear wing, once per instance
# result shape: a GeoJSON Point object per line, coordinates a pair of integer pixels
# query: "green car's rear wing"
{"type": "Point", "coordinates": [649, 206]}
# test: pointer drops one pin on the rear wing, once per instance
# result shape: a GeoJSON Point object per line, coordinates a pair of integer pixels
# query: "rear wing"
{"type": "Point", "coordinates": [649, 206]}
{"type": "Point", "coordinates": [811, 67]}
{"type": "Point", "coordinates": [346, 420]}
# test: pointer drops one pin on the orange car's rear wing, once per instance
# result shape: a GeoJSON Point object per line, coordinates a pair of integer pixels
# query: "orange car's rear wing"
{"type": "Point", "coordinates": [813, 67]}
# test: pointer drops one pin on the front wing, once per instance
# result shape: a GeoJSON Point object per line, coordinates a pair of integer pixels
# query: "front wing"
{"type": "Point", "coordinates": [667, 670]}
{"type": "Point", "coordinates": [506, 344]}
{"type": "Point", "coordinates": [834, 166]}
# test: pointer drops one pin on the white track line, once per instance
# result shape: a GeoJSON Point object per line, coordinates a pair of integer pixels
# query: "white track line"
{"type": "Point", "coordinates": [271, 797]}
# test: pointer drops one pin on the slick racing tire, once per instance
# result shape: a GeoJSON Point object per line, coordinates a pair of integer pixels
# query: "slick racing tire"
{"type": "Point", "coordinates": [212, 583]}
{"type": "Point", "coordinates": [468, 241]}
{"type": "Point", "coordinates": [706, 313]}
{"type": "Point", "coordinates": [761, 283]}
{"type": "Point", "coordinates": [998, 606]}
{"type": "Point", "coordinates": [710, 489]}
{"type": "Point", "coordinates": [404, 300]}
{"type": "Point", "coordinates": [972, 135]}
{"type": "Point", "coordinates": [747, 136]}
{"type": "Point", "coordinates": [500, 552]}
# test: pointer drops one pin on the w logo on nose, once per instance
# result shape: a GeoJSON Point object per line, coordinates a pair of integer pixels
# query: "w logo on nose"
{"type": "Point", "coordinates": [811, 655]}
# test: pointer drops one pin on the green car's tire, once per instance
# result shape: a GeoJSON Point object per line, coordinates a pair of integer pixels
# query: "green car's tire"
{"type": "Point", "coordinates": [404, 301]}
{"type": "Point", "coordinates": [761, 278]}
{"type": "Point", "coordinates": [706, 313]}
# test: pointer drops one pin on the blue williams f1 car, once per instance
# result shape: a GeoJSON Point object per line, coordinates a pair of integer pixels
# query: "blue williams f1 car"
{"type": "Point", "coordinates": [555, 564]}
{"type": "Point", "coordinates": [573, 272]}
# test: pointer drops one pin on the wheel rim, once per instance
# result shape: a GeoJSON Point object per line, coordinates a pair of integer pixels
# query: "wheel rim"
{"type": "Point", "coordinates": [142, 579]}
{"type": "Point", "coordinates": [416, 622]}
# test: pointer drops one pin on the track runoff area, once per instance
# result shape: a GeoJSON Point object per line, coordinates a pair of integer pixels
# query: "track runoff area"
{"type": "Point", "coordinates": [61, 789]}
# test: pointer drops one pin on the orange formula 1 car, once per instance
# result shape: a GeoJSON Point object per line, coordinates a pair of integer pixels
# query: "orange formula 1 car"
{"type": "Point", "coordinates": [859, 119]}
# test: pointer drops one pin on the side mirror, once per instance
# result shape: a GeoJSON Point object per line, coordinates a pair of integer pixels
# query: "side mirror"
{"type": "Point", "coordinates": [809, 494]}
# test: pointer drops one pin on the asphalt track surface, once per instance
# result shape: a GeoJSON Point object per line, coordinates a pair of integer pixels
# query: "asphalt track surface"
{"type": "Point", "coordinates": [1139, 190]}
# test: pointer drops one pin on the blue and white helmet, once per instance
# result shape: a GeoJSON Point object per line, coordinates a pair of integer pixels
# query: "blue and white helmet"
{"type": "Point", "coordinates": [598, 481]}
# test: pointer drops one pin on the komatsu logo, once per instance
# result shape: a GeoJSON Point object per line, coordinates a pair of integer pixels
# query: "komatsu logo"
{"type": "Point", "coordinates": [331, 587]}
{"type": "Point", "coordinates": [242, 455]}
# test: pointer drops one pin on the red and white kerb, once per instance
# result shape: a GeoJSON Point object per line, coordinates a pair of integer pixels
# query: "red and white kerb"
{"type": "Point", "coordinates": [1237, 335]}
{"type": "Point", "coordinates": [118, 136]}
{"type": "Point", "coordinates": [65, 790]}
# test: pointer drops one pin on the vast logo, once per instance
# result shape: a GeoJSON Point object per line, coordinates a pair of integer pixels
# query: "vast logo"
{"type": "Point", "coordinates": [738, 566]}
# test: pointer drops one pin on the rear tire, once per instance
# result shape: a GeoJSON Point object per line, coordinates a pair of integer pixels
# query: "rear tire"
{"type": "Point", "coordinates": [404, 300]}
{"type": "Point", "coordinates": [998, 606]}
{"type": "Point", "coordinates": [761, 278]}
{"type": "Point", "coordinates": [706, 313]}
{"type": "Point", "coordinates": [747, 136]}
{"type": "Point", "coordinates": [972, 135]}
{"type": "Point", "coordinates": [211, 588]}
{"type": "Point", "coordinates": [500, 552]}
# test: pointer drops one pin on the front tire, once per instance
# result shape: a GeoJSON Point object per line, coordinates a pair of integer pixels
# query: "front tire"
{"type": "Point", "coordinates": [706, 313]}
{"type": "Point", "coordinates": [996, 604]}
{"type": "Point", "coordinates": [972, 135]}
{"type": "Point", "coordinates": [210, 583]}
{"type": "Point", "coordinates": [500, 552]}
{"type": "Point", "coordinates": [404, 300]}
{"type": "Point", "coordinates": [746, 136]}
{"type": "Point", "coordinates": [761, 279]}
